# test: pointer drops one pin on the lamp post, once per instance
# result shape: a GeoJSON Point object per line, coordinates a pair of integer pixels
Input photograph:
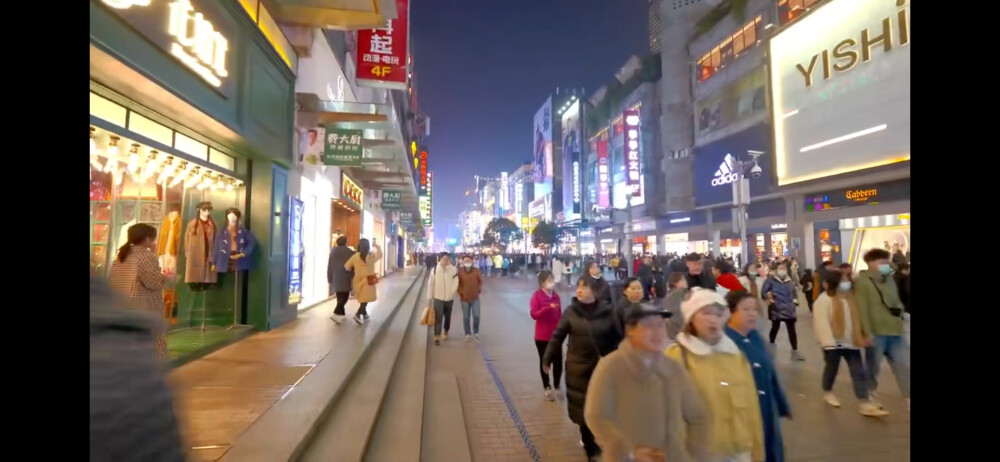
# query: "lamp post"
{"type": "Point", "coordinates": [741, 197]}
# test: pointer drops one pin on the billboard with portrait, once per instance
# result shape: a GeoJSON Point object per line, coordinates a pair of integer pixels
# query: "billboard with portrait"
{"type": "Point", "coordinates": [840, 88]}
{"type": "Point", "coordinates": [542, 142]}
{"type": "Point", "coordinates": [571, 153]}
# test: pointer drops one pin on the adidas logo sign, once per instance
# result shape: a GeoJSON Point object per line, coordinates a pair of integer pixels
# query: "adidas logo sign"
{"type": "Point", "coordinates": [725, 173]}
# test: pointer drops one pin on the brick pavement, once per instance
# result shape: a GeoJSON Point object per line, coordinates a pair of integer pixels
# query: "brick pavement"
{"type": "Point", "coordinates": [818, 433]}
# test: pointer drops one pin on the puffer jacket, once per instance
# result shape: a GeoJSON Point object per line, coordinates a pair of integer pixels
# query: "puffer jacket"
{"type": "Point", "coordinates": [593, 333]}
{"type": "Point", "coordinates": [784, 293]}
{"type": "Point", "coordinates": [131, 407]}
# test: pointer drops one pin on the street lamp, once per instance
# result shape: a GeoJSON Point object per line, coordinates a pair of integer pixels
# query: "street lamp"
{"type": "Point", "coordinates": [741, 195]}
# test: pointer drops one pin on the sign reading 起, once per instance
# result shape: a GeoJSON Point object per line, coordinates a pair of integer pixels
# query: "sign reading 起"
{"type": "Point", "coordinates": [186, 29]}
{"type": "Point", "coordinates": [382, 54]}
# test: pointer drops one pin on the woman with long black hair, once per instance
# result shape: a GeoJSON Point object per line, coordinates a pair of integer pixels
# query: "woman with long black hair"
{"type": "Point", "coordinates": [363, 265]}
{"type": "Point", "coordinates": [136, 274]}
{"type": "Point", "coordinates": [593, 274]}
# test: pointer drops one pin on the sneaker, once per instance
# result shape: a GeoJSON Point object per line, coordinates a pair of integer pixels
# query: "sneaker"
{"type": "Point", "coordinates": [337, 319]}
{"type": "Point", "coordinates": [831, 399]}
{"type": "Point", "coordinates": [477, 338]}
{"type": "Point", "coordinates": [437, 340]}
{"type": "Point", "coordinates": [548, 395]}
{"type": "Point", "coordinates": [366, 317]}
{"type": "Point", "coordinates": [870, 410]}
{"type": "Point", "coordinates": [468, 338]}
{"type": "Point", "coordinates": [445, 336]}
{"type": "Point", "coordinates": [875, 402]}
{"type": "Point", "coordinates": [358, 319]}
{"type": "Point", "coordinates": [796, 356]}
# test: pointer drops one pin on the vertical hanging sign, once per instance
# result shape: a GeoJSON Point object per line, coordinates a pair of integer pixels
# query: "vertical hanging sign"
{"type": "Point", "coordinates": [382, 53]}
{"type": "Point", "coordinates": [422, 173]}
{"type": "Point", "coordinates": [603, 175]}
{"type": "Point", "coordinates": [632, 169]}
{"type": "Point", "coordinates": [295, 250]}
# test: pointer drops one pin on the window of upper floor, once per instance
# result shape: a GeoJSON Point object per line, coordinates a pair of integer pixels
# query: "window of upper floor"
{"type": "Point", "coordinates": [730, 48]}
{"type": "Point", "coordinates": [788, 10]}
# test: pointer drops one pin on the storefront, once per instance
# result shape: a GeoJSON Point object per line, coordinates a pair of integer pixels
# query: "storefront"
{"type": "Point", "coordinates": [184, 134]}
{"type": "Point", "coordinates": [587, 246]}
{"type": "Point", "coordinates": [374, 228]}
{"type": "Point", "coordinates": [346, 210]}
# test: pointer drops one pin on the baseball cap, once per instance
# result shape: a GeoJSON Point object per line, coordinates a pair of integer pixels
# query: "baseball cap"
{"type": "Point", "coordinates": [636, 311]}
{"type": "Point", "coordinates": [698, 299]}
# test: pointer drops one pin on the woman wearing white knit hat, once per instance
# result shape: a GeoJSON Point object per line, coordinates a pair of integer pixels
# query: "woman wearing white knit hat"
{"type": "Point", "coordinates": [723, 377]}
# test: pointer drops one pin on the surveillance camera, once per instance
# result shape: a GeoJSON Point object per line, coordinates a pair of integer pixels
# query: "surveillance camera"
{"type": "Point", "coordinates": [756, 171]}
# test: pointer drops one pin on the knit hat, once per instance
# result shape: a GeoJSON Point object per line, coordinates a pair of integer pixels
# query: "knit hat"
{"type": "Point", "coordinates": [698, 299]}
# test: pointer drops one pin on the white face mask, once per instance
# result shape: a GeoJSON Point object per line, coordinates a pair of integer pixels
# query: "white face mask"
{"type": "Point", "coordinates": [232, 219]}
{"type": "Point", "coordinates": [549, 285]}
{"type": "Point", "coordinates": [467, 265]}
{"type": "Point", "coordinates": [845, 286]}
{"type": "Point", "coordinates": [204, 214]}
{"type": "Point", "coordinates": [782, 273]}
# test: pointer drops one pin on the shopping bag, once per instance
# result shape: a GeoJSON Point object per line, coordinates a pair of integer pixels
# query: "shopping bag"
{"type": "Point", "coordinates": [427, 319]}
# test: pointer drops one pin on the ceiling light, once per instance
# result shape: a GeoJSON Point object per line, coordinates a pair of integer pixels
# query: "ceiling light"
{"type": "Point", "coordinates": [93, 143]}
{"type": "Point", "coordinates": [229, 186]}
{"type": "Point", "coordinates": [180, 175]}
{"type": "Point", "coordinates": [112, 164]}
{"type": "Point", "coordinates": [151, 164]}
{"type": "Point", "coordinates": [133, 158]}
{"type": "Point", "coordinates": [167, 171]}
{"type": "Point", "coordinates": [192, 178]}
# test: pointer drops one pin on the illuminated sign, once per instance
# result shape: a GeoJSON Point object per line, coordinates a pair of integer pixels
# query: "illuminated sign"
{"type": "Point", "coordinates": [504, 192]}
{"type": "Point", "coordinates": [726, 174]}
{"type": "Point", "coordinates": [776, 225]}
{"type": "Point", "coordinates": [859, 195]}
{"type": "Point", "coordinates": [675, 237]}
{"type": "Point", "coordinates": [632, 170]}
{"type": "Point", "coordinates": [423, 172]}
{"type": "Point", "coordinates": [603, 175]}
{"type": "Point", "coordinates": [185, 31]}
{"type": "Point", "coordinates": [381, 54]}
{"type": "Point", "coordinates": [840, 89]}
{"type": "Point", "coordinates": [351, 191]}
{"type": "Point", "coordinates": [537, 208]}
{"type": "Point", "coordinates": [576, 182]}
{"type": "Point", "coordinates": [519, 197]}
{"type": "Point", "coordinates": [680, 220]}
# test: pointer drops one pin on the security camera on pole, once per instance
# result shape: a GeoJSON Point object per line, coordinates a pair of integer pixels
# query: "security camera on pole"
{"type": "Point", "coordinates": [741, 197]}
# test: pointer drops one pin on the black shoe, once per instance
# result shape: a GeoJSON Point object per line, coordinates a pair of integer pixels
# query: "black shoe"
{"type": "Point", "coordinates": [366, 317]}
{"type": "Point", "coordinates": [358, 319]}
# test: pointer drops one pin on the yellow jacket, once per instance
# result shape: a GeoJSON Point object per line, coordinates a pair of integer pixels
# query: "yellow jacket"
{"type": "Point", "coordinates": [723, 377]}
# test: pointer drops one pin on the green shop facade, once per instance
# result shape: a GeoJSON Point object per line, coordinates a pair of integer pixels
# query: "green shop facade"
{"type": "Point", "coordinates": [191, 105]}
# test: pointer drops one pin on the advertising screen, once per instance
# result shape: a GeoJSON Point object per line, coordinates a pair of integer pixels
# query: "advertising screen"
{"type": "Point", "coordinates": [571, 149]}
{"type": "Point", "coordinates": [840, 85]}
{"type": "Point", "coordinates": [542, 146]}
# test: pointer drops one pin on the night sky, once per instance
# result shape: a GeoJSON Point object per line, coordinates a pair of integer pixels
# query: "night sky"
{"type": "Point", "coordinates": [484, 67]}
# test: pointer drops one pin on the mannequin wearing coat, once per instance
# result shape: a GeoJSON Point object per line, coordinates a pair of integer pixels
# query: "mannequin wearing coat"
{"type": "Point", "coordinates": [233, 245]}
{"type": "Point", "coordinates": [199, 239]}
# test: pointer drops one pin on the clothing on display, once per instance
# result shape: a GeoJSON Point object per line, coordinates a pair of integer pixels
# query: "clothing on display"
{"type": "Point", "coordinates": [233, 245]}
{"type": "Point", "coordinates": [168, 242]}
{"type": "Point", "coordinates": [199, 239]}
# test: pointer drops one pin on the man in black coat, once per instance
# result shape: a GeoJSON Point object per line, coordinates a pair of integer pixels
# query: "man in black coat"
{"type": "Point", "coordinates": [697, 274]}
{"type": "Point", "coordinates": [340, 279]}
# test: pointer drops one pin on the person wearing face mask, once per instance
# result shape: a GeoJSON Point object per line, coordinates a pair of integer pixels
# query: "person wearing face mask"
{"type": "Point", "coordinates": [594, 275]}
{"type": "Point", "coordinates": [779, 291]}
{"type": "Point", "coordinates": [741, 328]}
{"type": "Point", "coordinates": [135, 274]}
{"type": "Point", "coordinates": [443, 286]}
{"type": "Point", "coordinates": [233, 244]}
{"type": "Point", "coordinates": [677, 289]}
{"type": "Point", "coordinates": [881, 314]}
{"type": "Point", "coordinates": [470, 283]}
{"type": "Point", "coordinates": [723, 377]}
{"type": "Point", "coordinates": [593, 332]}
{"type": "Point", "coordinates": [632, 294]}
{"type": "Point", "coordinates": [841, 335]}
{"type": "Point", "coordinates": [546, 310]}
{"type": "Point", "coordinates": [642, 406]}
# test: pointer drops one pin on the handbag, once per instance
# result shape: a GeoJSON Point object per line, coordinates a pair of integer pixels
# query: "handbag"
{"type": "Point", "coordinates": [427, 318]}
{"type": "Point", "coordinates": [372, 279]}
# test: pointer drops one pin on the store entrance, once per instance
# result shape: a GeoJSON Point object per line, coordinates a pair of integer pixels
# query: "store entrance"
{"type": "Point", "coordinates": [345, 221]}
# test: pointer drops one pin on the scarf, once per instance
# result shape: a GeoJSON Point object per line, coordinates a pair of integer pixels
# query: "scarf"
{"type": "Point", "coordinates": [837, 323]}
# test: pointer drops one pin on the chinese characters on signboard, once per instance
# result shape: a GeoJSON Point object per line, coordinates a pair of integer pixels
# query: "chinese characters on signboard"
{"type": "Point", "coordinates": [342, 147]}
{"type": "Point", "coordinates": [603, 175]}
{"type": "Point", "coordinates": [295, 250]}
{"type": "Point", "coordinates": [632, 170]}
{"type": "Point", "coordinates": [392, 200]}
{"type": "Point", "coordinates": [425, 203]}
{"type": "Point", "coordinates": [351, 192]}
{"type": "Point", "coordinates": [422, 173]}
{"type": "Point", "coordinates": [382, 53]}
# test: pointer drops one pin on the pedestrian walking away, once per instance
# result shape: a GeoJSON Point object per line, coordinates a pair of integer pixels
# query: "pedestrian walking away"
{"type": "Point", "coordinates": [881, 313]}
{"type": "Point", "coordinates": [441, 295]}
{"type": "Point", "coordinates": [339, 277]}
{"type": "Point", "coordinates": [779, 292]}
{"type": "Point", "coordinates": [470, 284]}
{"type": "Point", "coordinates": [362, 264]}
{"type": "Point", "coordinates": [711, 358]}
{"type": "Point", "coordinates": [546, 310]}
{"type": "Point", "coordinates": [135, 274]}
{"type": "Point", "coordinates": [590, 324]}
{"type": "Point", "coordinates": [841, 335]}
{"type": "Point", "coordinates": [641, 405]}
{"type": "Point", "coordinates": [742, 330]}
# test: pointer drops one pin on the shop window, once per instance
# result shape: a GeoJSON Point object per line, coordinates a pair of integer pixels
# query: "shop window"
{"type": "Point", "coordinates": [150, 129]}
{"type": "Point", "coordinates": [190, 146]}
{"type": "Point", "coordinates": [222, 160]}
{"type": "Point", "coordinates": [730, 48]}
{"type": "Point", "coordinates": [105, 109]}
{"type": "Point", "coordinates": [789, 10]}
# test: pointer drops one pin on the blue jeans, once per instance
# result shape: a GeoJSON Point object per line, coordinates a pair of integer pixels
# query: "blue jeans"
{"type": "Point", "coordinates": [892, 348]}
{"type": "Point", "coordinates": [473, 308]}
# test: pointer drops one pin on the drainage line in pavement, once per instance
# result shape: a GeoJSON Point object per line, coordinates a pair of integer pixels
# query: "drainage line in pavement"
{"type": "Point", "coordinates": [510, 405]}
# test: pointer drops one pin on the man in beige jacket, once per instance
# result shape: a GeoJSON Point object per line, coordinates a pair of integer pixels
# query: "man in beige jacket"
{"type": "Point", "coordinates": [641, 405]}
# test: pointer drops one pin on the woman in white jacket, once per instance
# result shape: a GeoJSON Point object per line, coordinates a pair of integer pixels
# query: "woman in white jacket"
{"type": "Point", "coordinates": [839, 333]}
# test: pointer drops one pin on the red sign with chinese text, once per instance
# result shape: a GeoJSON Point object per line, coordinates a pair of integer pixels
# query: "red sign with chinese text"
{"type": "Point", "coordinates": [603, 174]}
{"type": "Point", "coordinates": [423, 173]}
{"type": "Point", "coordinates": [381, 56]}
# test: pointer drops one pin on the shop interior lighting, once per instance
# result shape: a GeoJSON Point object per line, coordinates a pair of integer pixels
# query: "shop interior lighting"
{"type": "Point", "coordinates": [133, 158]}
{"type": "Point", "coordinates": [230, 186]}
{"type": "Point", "coordinates": [206, 181]}
{"type": "Point", "coordinates": [181, 174]}
{"type": "Point", "coordinates": [168, 170]}
{"type": "Point", "coordinates": [112, 164]}
{"type": "Point", "coordinates": [151, 164]}
{"type": "Point", "coordinates": [221, 184]}
{"type": "Point", "coordinates": [192, 178]}
{"type": "Point", "coordinates": [93, 142]}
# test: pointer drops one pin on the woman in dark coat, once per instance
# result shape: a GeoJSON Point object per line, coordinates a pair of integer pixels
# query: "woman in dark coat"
{"type": "Point", "coordinates": [773, 402]}
{"type": "Point", "coordinates": [593, 333]}
{"type": "Point", "coordinates": [780, 293]}
{"type": "Point", "coordinates": [594, 275]}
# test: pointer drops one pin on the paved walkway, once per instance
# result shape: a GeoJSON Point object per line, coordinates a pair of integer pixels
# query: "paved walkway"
{"type": "Point", "coordinates": [219, 396]}
{"type": "Point", "coordinates": [818, 433]}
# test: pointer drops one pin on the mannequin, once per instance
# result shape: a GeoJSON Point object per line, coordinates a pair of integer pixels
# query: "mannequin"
{"type": "Point", "coordinates": [234, 244]}
{"type": "Point", "coordinates": [169, 241]}
{"type": "Point", "coordinates": [199, 271]}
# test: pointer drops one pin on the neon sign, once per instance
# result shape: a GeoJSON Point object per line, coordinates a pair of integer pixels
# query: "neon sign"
{"type": "Point", "coordinates": [199, 46]}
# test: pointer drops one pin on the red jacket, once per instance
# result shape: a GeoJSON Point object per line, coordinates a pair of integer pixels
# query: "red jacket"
{"type": "Point", "coordinates": [546, 310]}
{"type": "Point", "coordinates": [730, 281]}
